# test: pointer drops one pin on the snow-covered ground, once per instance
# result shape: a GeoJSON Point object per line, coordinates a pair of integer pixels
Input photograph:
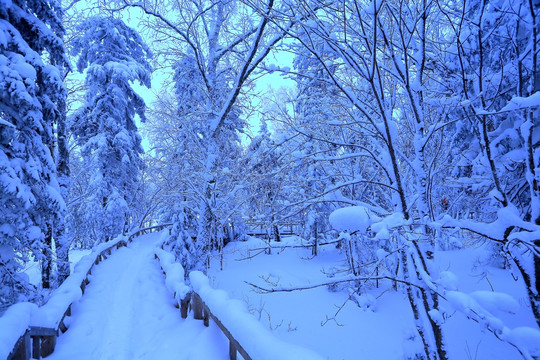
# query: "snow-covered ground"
{"type": "Point", "coordinates": [127, 313]}
{"type": "Point", "coordinates": [323, 320]}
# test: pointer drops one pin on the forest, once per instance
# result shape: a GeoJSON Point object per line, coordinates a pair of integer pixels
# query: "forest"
{"type": "Point", "coordinates": [390, 131]}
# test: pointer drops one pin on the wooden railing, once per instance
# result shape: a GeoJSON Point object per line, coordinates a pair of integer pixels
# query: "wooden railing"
{"type": "Point", "coordinates": [39, 342]}
{"type": "Point", "coordinates": [261, 229]}
{"type": "Point", "coordinates": [202, 312]}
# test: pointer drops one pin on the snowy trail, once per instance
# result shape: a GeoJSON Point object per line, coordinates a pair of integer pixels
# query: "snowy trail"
{"type": "Point", "coordinates": [127, 313]}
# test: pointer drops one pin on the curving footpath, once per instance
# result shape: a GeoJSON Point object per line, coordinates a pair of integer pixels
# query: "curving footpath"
{"type": "Point", "coordinates": [127, 313]}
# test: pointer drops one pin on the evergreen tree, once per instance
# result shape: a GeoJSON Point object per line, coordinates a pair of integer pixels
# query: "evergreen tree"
{"type": "Point", "coordinates": [30, 92]}
{"type": "Point", "coordinates": [113, 56]}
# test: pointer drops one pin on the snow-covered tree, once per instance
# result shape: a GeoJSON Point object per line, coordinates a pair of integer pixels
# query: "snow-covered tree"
{"type": "Point", "coordinates": [497, 97]}
{"type": "Point", "coordinates": [113, 56]}
{"type": "Point", "coordinates": [30, 91]}
{"type": "Point", "coordinates": [222, 44]}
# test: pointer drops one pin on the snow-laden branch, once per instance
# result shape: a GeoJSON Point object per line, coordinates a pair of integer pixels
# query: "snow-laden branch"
{"type": "Point", "coordinates": [246, 70]}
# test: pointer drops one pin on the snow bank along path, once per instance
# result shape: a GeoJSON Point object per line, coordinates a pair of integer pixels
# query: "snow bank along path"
{"type": "Point", "coordinates": [128, 313]}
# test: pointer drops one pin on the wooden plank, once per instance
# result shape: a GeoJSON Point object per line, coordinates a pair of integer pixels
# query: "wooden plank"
{"type": "Point", "coordinates": [36, 344]}
{"type": "Point", "coordinates": [48, 344]}
{"type": "Point", "coordinates": [22, 349]}
{"type": "Point", "coordinates": [42, 331]}
{"type": "Point", "coordinates": [206, 317]}
{"type": "Point", "coordinates": [184, 305]}
{"type": "Point", "coordinates": [27, 345]}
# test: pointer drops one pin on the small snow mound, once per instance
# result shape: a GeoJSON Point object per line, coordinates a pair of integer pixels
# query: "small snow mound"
{"type": "Point", "coordinates": [496, 301]}
{"type": "Point", "coordinates": [525, 338]}
{"type": "Point", "coordinates": [352, 218]}
{"type": "Point", "coordinates": [448, 280]}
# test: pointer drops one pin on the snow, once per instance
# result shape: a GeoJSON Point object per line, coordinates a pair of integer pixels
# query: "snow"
{"type": "Point", "coordinates": [495, 302]}
{"type": "Point", "coordinates": [383, 228]}
{"type": "Point", "coordinates": [13, 324]}
{"type": "Point", "coordinates": [128, 310]}
{"type": "Point", "coordinates": [518, 103]}
{"type": "Point", "coordinates": [258, 341]}
{"type": "Point", "coordinates": [50, 314]}
{"type": "Point", "coordinates": [308, 318]}
{"type": "Point", "coordinates": [378, 323]}
{"type": "Point", "coordinates": [507, 217]}
{"type": "Point", "coordinates": [174, 273]}
{"type": "Point", "coordinates": [352, 218]}
{"type": "Point", "coordinates": [128, 313]}
{"type": "Point", "coordinates": [448, 280]}
{"type": "Point", "coordinates": [526, 338]}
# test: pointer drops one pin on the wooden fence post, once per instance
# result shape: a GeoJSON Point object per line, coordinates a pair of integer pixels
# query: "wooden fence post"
{"type": "Point", "coordinates": [22, 349]}
{"type": "Point", "coordinates": [197, 307]}
{"type": "Point", "coordinates": [48, 343]}
{"type": "Point", "coordinates": [184, 305]}
{"type": "Point", "coordinates": [36, 345]}
{"type": "Point", "coordinates": [206, 316]}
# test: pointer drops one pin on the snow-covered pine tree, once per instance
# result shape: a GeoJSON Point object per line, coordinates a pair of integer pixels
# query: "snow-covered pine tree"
{"type": "Point", "coordinates": [30, 91]}
{"type": "Point", "coordinates": [61, 238]}
{"type": "Point", "coordinates": [114, 56]}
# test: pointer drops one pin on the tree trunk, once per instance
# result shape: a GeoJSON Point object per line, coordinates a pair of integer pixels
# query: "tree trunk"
{"type": "Point", "coordinates": [62, 168]}
{"type": "Point", "coordinates": [46, 262]}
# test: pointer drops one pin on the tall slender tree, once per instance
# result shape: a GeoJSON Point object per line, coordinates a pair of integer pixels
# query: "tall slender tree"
{"type": "Point", "coordinates": [113, 55]}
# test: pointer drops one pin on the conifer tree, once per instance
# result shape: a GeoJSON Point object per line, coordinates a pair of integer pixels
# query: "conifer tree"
{"type": "Point", "coordinates": [30, 92]}
{"type": "Point", "coordinates": [113, 56]}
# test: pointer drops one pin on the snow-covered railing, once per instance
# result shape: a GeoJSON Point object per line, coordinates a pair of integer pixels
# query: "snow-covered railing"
{"type": "Point", "coordinates": [246, 334]}
{"type": "Point", "coordinates": [174, 280]}
{"type": "Point", "coordinates": [35, 329]}
{"type": "Point", "coordinates": [260, 228]}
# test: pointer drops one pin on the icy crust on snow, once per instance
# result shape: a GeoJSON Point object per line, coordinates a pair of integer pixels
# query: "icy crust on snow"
{"type": "Point", "coordinates": [50, 314]}
{"type": "Point", "coordinates": [258, 341]}
{"type": "Point", "coordinates": [13, 324]}
{"type": "Point", "coordinates": [174, 274]}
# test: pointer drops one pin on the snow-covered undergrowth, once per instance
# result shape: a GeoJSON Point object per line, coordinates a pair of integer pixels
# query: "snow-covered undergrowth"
{"type": "Point", "coordinates": [33, 270]}
{"type": "Point", "coordinates": [376, 323]}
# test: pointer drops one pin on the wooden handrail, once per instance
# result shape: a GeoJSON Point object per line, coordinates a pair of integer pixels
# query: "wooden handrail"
{"type": "Point", "coordinates": [202, 312]}
{"type": "Point", "coordinates": [40, 342]}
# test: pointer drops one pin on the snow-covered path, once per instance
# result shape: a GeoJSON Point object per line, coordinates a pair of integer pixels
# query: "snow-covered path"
{"type": "Point", "coordinates": [127, 313]}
